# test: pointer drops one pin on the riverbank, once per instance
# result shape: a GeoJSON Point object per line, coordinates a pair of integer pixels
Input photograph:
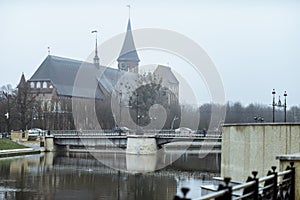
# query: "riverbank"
{"type": "Point", "coordinates": [10, 148]}
{"type": "Point", "coordinates": [7, 144]}
{"type": "Point", "coordinates": [18, 152]}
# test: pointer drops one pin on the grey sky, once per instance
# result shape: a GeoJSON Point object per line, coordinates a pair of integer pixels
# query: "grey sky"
{"type": "Point", "coordinates": [254, 44]}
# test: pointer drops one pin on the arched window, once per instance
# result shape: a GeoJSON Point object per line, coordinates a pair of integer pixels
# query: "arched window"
{"type": "Point", "coordinates": [49, 105]}
{"type": "Point", "coordinates": [59, 107]}
{"type": "Point", "coordinates": [32, 84]}
{"type": "Point", "coordinates": [44, 84]}
{"type": "Point", "coordinates": [38, 85]}
{"type": "Point", "coordinates": [43, 105]}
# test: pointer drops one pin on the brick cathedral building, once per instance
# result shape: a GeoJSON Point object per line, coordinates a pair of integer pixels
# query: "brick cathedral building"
{"type": "Point", "coordinates": [53, 85]}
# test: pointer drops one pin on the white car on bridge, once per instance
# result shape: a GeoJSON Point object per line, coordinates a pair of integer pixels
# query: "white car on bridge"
{"type": "Point", "coordinates": [184, 130]}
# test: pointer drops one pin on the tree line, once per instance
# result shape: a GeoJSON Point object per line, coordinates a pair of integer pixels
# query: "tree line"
{"type": "Point", "coordinates": [21, 110]}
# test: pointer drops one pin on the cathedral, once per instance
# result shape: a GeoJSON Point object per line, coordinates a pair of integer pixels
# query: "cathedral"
{"type": "Point", "coordinates": [53, 83]}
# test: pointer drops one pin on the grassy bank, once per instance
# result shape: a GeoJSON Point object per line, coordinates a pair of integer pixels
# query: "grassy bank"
{"type": "Point", "coordinates": [6, 144]}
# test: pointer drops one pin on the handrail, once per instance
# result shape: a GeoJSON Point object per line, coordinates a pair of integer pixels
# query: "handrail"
{"type": "Point", "coordinates": [243, 185]}
{"type": "Point", "coordinates": [213, 195]}
{"type": "Point", "coordinates": [284, 172]}
{"type": "Point", "coordinates": [255, 190]}
{"type": "Point", "coordinates": [266, 178]}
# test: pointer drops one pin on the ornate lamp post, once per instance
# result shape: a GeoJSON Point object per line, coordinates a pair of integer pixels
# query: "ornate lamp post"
{"type": "Point", "coordinates": [120, 112]}
{"type": "Point", "coordinates": [284, 105]}
{"type": "Point", "coordinates": [279, 104]}
{"type": "Point", "coordinates": [174, 119]}
{"type": "Point", "coordinates": [273, 104]}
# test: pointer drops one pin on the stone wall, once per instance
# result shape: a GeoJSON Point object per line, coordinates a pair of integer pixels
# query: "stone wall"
{"type": "Point", "coordinates": [285, 161]}
{"type": "Point", "coordinates": [19, 136]}
{"type": "Point", "coordinates": [254, 147]}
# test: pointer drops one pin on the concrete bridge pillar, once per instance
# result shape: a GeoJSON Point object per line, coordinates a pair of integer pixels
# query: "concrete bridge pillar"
{"type": "Point", "coordinates": [141, 144]}
{"type": "Point", "coordinates": [49, 143]}
{"type": "Point", "coordinates": [141, 163]}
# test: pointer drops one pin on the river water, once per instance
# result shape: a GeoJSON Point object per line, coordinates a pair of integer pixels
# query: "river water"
{"type": "Point", "coordinates": [81, 176]}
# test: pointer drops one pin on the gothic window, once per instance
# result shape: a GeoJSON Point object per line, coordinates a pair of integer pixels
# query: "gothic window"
{"type": "Point", "coordinates": [49, 105]}
{"type": "Point", "coordinates": [58, 107]}
{"type": "Point", "coordinates": [38, 85]}
{"type": "Point", "coordinates": [42, 104]}
{"type": "Point", "coordinates": [32, 84]}
{"type": "Point", "coordinates": [44, 84]}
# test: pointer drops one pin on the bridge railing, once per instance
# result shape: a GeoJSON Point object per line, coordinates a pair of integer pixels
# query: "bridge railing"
{"type": "Point", "coordinates": [276, 185]}
{"type": "Point", "coordinates": [83, 132]}
{"type": "Point", "coordinates": [209, 134]}
{"type": "Point", "coordinates": [157, 133]}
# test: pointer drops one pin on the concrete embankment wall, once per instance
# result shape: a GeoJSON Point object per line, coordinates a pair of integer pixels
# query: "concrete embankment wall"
{"type": "Point", "coordinates": [285, 161]}
{"type": "Point", "coordinates": [254, 147]}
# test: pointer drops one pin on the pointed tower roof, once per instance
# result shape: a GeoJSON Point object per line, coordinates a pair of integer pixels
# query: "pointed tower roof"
{"type": "Point", "coordinates": [22, 82]}
{"type": "Point", "coordinates": [128, 52]}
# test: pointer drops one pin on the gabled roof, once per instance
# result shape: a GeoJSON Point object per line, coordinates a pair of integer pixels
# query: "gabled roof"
{"type": "Point", "coordinates": [128, 52]}
{"type": "Point", "coordinates": [166, 74]}
{"type": "Point", "coordinates": [62, 73]}
{"type": "Point", "coordinates": [111, 76]}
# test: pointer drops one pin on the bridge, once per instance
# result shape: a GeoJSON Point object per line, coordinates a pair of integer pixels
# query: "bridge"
{"type": "Point", "coordinates": [107, 138]}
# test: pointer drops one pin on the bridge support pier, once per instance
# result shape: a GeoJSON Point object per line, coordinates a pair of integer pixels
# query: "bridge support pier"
{"type": "Point", "coordinates": [49, 143]}
{"type": "Point", "coordinates": [141, 144]}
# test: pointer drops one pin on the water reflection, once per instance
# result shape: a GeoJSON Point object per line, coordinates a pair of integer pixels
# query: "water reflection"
{"type": "Point", "coordinates": [81, 176]}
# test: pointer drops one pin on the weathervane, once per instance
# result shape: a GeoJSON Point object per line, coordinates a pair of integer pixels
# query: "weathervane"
{"type": "Point", "coordinates": [48, 50]}
{"type": "Point", "coordinates": [128, 10]}
{"type": "Point", "coordinates": [95, 31]}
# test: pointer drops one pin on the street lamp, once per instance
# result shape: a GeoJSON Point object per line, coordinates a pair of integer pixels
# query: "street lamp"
{"type": "Point", "coordinates": [285, 95]}
{"type": "Point", "coordinates": [279, 104]}
{"type": "Point", "coordinates": [174, 119]}
{"type": "Point", "coordinates": [120, 118]}
{"type": "Point", "coordinates": [33, 117]}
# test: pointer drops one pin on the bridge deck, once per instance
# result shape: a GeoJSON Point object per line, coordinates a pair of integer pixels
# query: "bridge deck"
{"type": "Point", "coordinates": [105, 138]}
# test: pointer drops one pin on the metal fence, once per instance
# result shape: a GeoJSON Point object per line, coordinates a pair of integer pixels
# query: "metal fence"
{"type": "Point", "coordinates": [157, 133]}
{"type": "Point", "coordinates": [274, 186]}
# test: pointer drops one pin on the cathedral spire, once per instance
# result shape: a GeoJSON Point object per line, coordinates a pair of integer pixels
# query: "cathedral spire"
{"type": "Point", "coordinates": [22, 82]}
{"type": "Point", "coordinates": [128, 59]}
{"type": "Point", "coordinates": [96, 58]}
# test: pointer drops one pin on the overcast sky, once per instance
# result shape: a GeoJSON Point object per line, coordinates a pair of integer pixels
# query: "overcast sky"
{"type": "Point", "coordinates": [255, 45]}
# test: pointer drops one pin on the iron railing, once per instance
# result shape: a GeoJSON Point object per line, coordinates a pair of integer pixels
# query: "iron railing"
{"type": "Point", "coordinates": [157, 133]}
{"type": "Point", "coordinates": [274, 186]}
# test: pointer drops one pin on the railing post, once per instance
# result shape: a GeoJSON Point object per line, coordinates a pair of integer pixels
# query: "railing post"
{"type": "Point", "coordinates": [228, 194]}
{"type": "Point", "coordinates": [293, 176]}
{"type": "Point", "coordinates": [256, 186]}
{"type": "Point", "coordinates": [275, 189]}
{"type": "Point", "coordinates": [184, 191]}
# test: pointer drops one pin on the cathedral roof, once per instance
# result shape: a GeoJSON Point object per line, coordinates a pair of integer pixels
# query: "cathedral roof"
{"type": "Point", "coordinates": [62, 73]}
{"type": "Point", "coordinates": [128, 51]}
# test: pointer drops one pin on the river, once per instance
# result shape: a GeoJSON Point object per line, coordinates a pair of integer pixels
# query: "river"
{"type": "Point", "coordinates": [81, 176]}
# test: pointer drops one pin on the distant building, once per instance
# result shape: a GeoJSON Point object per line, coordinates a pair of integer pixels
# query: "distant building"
{"type": "Point", "coordinates": [53, 82]}
{"type": "Point", "coordinates": [170, 84]}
